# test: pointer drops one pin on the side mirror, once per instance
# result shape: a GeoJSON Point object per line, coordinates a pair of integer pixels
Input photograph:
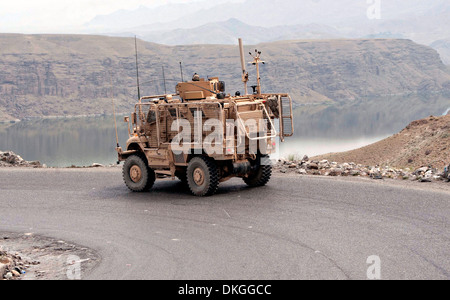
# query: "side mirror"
{"type": "Point", "coordinates": [134, 118]}
{"type": "Point", "coordinates": [126, 119]}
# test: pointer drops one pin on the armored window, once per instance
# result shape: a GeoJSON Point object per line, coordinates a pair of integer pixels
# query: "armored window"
{"type": "Point", "coordinates": [173, 112]}
{"type": "Point", "coordinates": [151, 116]}
{"type": "Point", "coordinates": [193, 110]}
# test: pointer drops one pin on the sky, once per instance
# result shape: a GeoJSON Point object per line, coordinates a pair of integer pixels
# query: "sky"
{"type": "Point", "coordinates": [52, 16]}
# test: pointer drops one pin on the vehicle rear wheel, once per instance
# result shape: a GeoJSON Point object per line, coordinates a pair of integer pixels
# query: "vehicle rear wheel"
{"type": "Point", "coordinates": [138, 176]}
{"type": "Point", "coordinates": [202, 177]}
{"type": "Point", "coordinates": [262, 175]}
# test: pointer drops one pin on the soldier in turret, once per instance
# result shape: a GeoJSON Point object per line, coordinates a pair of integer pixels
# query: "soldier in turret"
{"type": "Point", "coordinates": [196, 77]}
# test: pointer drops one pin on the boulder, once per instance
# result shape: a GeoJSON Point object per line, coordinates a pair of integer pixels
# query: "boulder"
{"type": "Point", "coordinates": [335, 172]}
{"type": "Point", "coordinates": [3, 268]}
{"type": "Point", "coordinates": [302, 172]}
{"type": "Point", "coordinates": [313, 166]}
{"type": "Point", "coordinates": [421, 171]}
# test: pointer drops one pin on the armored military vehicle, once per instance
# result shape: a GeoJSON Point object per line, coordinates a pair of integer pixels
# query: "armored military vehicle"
{"type": "Point", "coordinates": [172, 135]}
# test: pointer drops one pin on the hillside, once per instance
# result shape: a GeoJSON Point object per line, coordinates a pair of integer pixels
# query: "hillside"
{"type": "Point", "coordinates": [45, 75]}
{"type": "Point", "coordinates": [422, 143]}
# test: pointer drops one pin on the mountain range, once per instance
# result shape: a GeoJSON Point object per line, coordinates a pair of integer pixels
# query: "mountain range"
{"type": "Point", "coordinates": [57, 75]}
{"type": "Point", "coordinates": [221, 22]}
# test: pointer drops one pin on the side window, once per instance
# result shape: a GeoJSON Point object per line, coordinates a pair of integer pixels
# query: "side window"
{"type": "Point", "coordinates": [151, 116]}
{"type": "Point", "coordinates": [173, 112]}
{"type": "Point", "coordinates": [194, 110]}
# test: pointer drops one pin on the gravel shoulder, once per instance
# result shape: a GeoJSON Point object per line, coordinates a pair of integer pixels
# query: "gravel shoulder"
{"type": "Point", "coordinates": [27, 256]}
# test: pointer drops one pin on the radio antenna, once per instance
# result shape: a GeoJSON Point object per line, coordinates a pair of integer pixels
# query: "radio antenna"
{"type": "Point", "coordinates": [114, 112]}
{"type": "Point", "coordinates": [181, 69]}
{"type": "Point", "coordinates": [164, 78]}
{"type": "Point", "coordinates": [137, 68]}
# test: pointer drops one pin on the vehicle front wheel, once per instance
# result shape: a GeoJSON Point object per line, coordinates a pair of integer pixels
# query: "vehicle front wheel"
{"type": "Point", "coordinates": [202, 177]}
{"type": "Point", "coordinates": [138, 176]}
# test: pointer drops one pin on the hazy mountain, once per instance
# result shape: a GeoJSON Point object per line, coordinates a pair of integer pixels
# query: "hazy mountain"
{"type": "Point", "coordinates": [164, 14]}
{"type": "Point", "coordinates": [422, 21]}
{"type": "Point", "coordinates": [443, 46]}
{"type": "Point", "coordinates": [348, 15]}
{"type": "Point", "coordinates": [229, 31]}
{"type": "Point", "coordinates": [44, 75]}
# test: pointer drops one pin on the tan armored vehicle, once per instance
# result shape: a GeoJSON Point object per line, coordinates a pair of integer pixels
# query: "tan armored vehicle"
{"type": "Point", "coordinates": [203, 136]}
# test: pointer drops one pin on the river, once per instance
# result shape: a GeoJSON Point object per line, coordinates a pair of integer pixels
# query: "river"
{"type": "Point", "coordinates": [319, 129]}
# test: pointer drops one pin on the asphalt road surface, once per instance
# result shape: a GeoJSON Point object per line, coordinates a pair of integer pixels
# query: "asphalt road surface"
{"type": "Point", "coordinates": [295, 228]}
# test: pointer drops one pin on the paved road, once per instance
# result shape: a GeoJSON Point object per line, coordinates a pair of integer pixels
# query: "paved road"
{"type": "Point", "coordinates": [295, 228]}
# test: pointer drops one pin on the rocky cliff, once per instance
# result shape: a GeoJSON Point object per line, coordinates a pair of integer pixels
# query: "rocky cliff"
{"type": "Point", "coordinates": [46, 75]}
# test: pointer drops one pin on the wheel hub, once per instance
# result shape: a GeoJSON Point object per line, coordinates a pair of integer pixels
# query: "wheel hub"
{"type": "Point", "coordinates": [199, 176]}
{"type": "Point", "coordinates": [135, 174]}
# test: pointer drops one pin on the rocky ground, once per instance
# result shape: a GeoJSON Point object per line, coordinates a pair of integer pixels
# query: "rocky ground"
{"type": "Point", "coordinates": [422, 143]}
{"type": "Point", "coordinates": [10, 159]}
{"type": "Point", "coordinates": [308, 166]}
{"type": "Point", "coordinates": [28, 256]}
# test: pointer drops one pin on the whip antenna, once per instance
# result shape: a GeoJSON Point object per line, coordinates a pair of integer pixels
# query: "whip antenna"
{"type": "Point", "coordinates": [114, 112]}
{"type": "Point", "coordinates": [164, 78]}
{"type": "Point", "coordinates": [181, 69]}
{"type": "Point", "coordinates": [137, 68]}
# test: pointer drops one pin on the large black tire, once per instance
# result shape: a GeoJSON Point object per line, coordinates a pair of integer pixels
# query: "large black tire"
{"type": "Point", "coordinates": [262, 175]}
{"type": "Point", "coordinates": [138, 176]}
{"type": "Point", "coordinates": [202, 177]}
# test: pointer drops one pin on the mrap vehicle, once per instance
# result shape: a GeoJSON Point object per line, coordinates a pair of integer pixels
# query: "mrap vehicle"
{"type": "Point", "coordinates": [158, 126]}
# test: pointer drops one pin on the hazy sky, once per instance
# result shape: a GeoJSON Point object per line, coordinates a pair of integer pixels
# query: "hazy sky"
{"type": "Point", "coordinates": [29, 16]}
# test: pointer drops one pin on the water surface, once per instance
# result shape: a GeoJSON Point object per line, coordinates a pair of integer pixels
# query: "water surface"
{"type": "Point", "coordinates": [319, 129]}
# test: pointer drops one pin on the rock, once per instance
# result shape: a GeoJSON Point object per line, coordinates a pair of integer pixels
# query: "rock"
{"type": "Point", "coordinates": [302, 172]}
{"type": "Point", "coordinates": [421, 171]}
{"type": "Point", "coordinates": [313, 166]}
{"type": "Point", "coordinates": [9, 275]}
{"type": "Point", "coordinates": [424, 179]}
{"type": "Point", "coordinates": [15, 273]}
{"type": "Point", "coordinates": [6, 260]}
{"type": "Point", "coordinates": [354, 173]}
{"type": "Point", "coordinates": [305, 158]}
{"type": "Point", "coordinates": [96, 165]}
{"type": "Point", "coordinates": [292, 166]}
{"type": "Point", "coordinates": [335, 172]}
{"type": "Point", "coordinates": [2, 270]}
{"type": "Point", "coordinates": [376, 176]}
